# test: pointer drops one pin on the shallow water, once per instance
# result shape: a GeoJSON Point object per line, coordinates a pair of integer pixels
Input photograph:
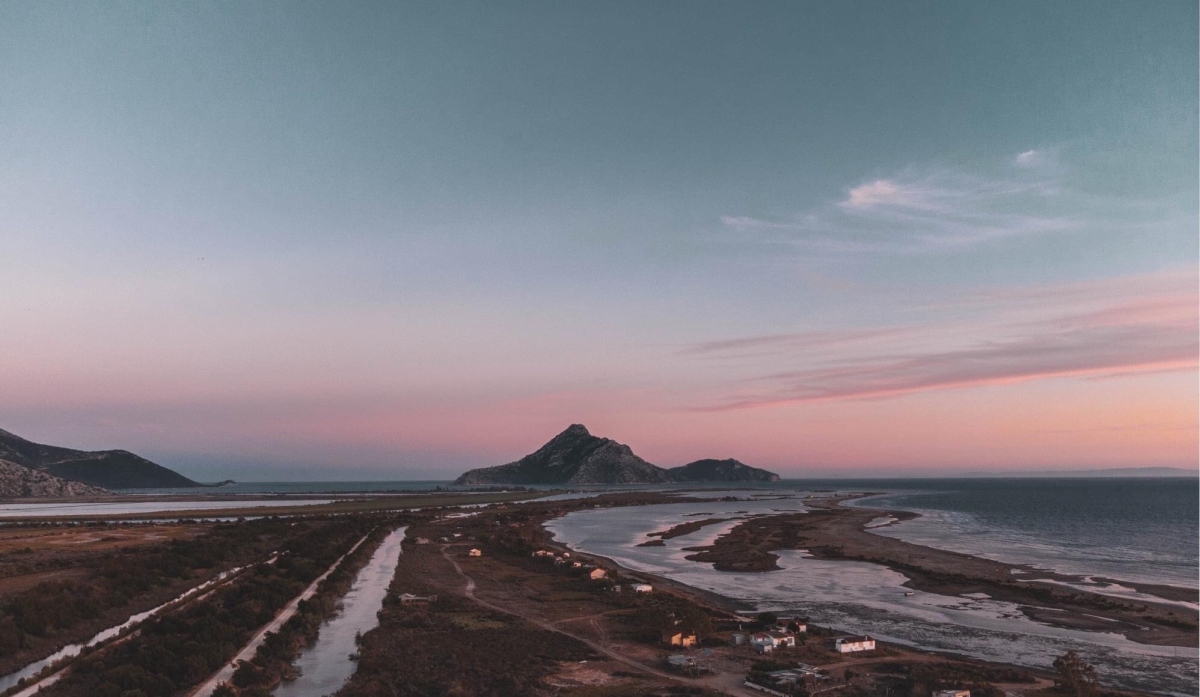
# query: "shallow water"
{"type": "Point", "coordinates": [868, 598]}
{"type": "Point", "coordinates": [13, 510]}
{"type": "Point", "coordinates": [326, 665]}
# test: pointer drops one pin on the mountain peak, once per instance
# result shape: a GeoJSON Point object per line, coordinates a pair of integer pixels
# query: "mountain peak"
{"type": "Point", "coordinates": [575, 456]}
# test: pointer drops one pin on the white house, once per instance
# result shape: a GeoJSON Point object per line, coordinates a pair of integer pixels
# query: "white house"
{"type": "Point", "coordinates": [475, 553]}
{"type": "Point", "coordinates": [852, 644]}
{"type": "Point", "coordinates": [642, 588]}
{"type": "Point", "coordinates": [762, 643]}
{"type": "Point", "coordinates": [782, 640]}
{"type": "Point", "coordinates": [774, 640]}
{"type": "Point", "coordinates": [597, 574]}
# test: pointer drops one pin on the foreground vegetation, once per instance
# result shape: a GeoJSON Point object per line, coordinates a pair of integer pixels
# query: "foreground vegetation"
{"type": "Point", "coordinates": [184, 647]}
{"type": "Point", "coordinates": [114, 585]}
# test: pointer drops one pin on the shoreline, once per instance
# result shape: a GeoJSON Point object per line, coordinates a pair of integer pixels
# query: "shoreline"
{"type": "Point", "coordinates": [834, 532]}
{"type": "Point", "coordinates": [738, 608]}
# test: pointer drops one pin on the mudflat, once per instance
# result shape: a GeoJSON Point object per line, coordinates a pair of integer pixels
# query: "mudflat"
{"type": "Point", "coordinates": [833, 531]}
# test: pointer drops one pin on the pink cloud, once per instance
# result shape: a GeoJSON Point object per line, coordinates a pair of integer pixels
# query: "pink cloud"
{"type": "Point", "coordinates": [1004, 341]}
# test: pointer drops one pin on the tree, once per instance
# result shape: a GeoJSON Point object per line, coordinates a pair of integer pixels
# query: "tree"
{"type": "Point", "coordinates": [1075, 675]}
{"type": "Point", "coordinates": [767, 618]}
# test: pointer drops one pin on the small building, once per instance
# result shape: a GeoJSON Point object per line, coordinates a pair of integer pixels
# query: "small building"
{"type": "Point", "coordinates": [410, 599]}
{"type": "Point", "coordinates": [776, 640]}
{"type": "Point", "coordinates": [951, 693]}
{"type": "Point", "coordinates": [853, 644]}
{"type": "Point", "coordinates": [643, 588]}
{"type": "Point", "coordinates": [737, 639]}
{"type": "Point", "coordinates": [782, 640]}
{"type": "Point", "coordinates": [597, 574]}
{"type": "Point", "coordinates": [542, 553]}
{"type": "Point", "coordinates": [795, 626]}
{"type": "Point", "coordinates": [566, 555]}
{"type": "Point", "coordinates": [423, 540]}
{"type": "Point", "coordinates": [576, 564]}
{"type": "Point", "coordinates": [475, 552]}
{"type": "Point", "coordinates": [681, 639]}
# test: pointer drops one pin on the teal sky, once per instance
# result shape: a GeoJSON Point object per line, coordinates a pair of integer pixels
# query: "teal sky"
{"type": "Point", "coordinates": [374, 240]}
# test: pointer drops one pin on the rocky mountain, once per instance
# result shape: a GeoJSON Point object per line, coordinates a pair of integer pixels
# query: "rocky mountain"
{"type": "Point", "coordinates": [110, 469]}
{"type": "Point", "coordinates": [575, 456]}
{"type": "Point", "coordinates": [720, 471]}
{"type": "Point", "coordinates": [18, 481]}
{"type": "Point", "coordinates": [572, 457]}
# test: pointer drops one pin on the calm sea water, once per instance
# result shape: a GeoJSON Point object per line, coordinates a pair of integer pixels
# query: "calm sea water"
{"type": "Point", "coordinates": [1143, 530]}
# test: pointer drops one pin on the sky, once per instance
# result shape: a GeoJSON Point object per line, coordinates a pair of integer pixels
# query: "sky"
{"type": "Point", "coordinates": [321, 241]}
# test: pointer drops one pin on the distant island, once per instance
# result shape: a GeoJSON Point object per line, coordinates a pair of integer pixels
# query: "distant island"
{"type": "Point", "coordinates": [575, 456]}
{"type": "Point", "coordinates": [105, 469]}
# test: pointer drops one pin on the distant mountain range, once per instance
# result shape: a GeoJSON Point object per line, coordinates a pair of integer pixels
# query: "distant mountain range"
{"type": "Point", "coordinates": [108, 469]}
{"type": "Point", "coordinates": [1111, 472]}
{"type": "Point", "coordinates": [575, 456]}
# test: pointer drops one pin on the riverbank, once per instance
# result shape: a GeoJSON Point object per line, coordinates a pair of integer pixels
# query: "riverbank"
{"type": "Point", "coordinates": [835, 532]}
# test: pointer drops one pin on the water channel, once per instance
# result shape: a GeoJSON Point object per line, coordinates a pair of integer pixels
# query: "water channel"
{"type": "Point", "coordinates": [326, 665]}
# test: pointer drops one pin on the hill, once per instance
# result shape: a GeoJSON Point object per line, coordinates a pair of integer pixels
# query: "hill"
{"type": "Point", "coordinates": [572, 457]}
{"type": "Point", "coordinates": [109, 469]}
{"type": "Point", "coordinates": [575, 456]}
{"type": "Point", "coordinates": [720, 471]}
{"type": "Point", "coordinates": [18, 481]}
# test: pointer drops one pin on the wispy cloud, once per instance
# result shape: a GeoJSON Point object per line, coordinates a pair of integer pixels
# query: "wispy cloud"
{"type": "Point", "coordinates": [1080, 330]}
{"type": "Point", "coordinates": [929, 209]}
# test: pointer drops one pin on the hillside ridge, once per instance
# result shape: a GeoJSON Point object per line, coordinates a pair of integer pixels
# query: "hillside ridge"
{"type": "Point", "coordinates": [575, 456]}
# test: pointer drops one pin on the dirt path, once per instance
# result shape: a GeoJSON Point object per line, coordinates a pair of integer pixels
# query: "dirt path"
{"type": "Point", "coordinates": [209, 686]}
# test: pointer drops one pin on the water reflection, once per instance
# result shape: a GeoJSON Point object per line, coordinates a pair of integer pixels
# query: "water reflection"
{"type": "Point", "coordinates": [326, 665]}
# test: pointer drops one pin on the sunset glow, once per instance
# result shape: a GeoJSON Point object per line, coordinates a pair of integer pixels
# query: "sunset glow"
{"type": "Point", "coordinates": [440, 248]}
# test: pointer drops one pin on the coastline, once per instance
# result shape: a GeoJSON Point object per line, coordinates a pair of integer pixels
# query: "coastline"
{"type": "Point", "coordinates": [834, 532]}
